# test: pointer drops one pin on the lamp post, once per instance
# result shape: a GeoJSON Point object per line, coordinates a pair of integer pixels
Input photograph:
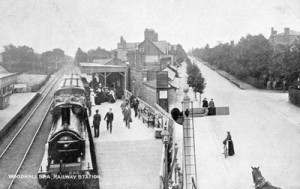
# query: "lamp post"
{"type": "Point", "coordinates": [133, 86]}
{"type": "Point", "coordinates": [165, 134]}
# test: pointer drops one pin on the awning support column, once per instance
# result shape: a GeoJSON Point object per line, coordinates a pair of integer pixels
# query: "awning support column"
{"type": "Point", "coordinates": [105, 79]}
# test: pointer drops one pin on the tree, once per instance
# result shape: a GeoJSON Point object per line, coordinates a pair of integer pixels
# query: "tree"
{"type": "Point", "coordinates": [192, 71]}
{"type": "Point", "coordinates": [58, 53]}
{"type": "Point", "coordinates": [80, 56]}
{"type": "Point", "coordinates": [98, 53]}
{"type": "Point", "coordinates": [199, 84]}
{"type": "Point", "coordinates": [19, 59]}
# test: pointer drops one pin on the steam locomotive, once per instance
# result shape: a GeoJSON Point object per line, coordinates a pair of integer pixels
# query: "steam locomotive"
{"type": "Point", "coordinates": [68, 161]}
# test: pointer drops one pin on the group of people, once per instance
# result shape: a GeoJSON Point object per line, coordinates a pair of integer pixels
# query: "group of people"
{"type": "Point", "coordinates": [101, 94]}
{"type": "Point", "coordinates": [109, 117]}
{"type": "Point", "coordinates": [205, 103]}
{"type": "Point", "coordinates": [210, 105]}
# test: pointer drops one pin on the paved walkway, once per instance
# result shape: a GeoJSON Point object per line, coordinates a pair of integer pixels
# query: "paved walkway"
{"type": "Point", "coordinates": [126, 158]}
{"type": "Point", "coordinates": [17, 102]}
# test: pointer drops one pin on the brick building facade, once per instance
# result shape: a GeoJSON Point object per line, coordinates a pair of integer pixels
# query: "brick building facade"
{"type": "Point", "coordinates": [146, 62]}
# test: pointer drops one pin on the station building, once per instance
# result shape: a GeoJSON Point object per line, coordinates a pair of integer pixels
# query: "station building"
{"type": "Point", "coordinates": [109, 72]}
{"type": "Point", "coordinates": [7, 81]}
{"type": "Point", "coordinates": [152, 71]}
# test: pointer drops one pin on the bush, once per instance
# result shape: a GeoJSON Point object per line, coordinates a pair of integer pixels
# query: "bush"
{"type": "Point", "coordinates": [294, 95]}
{"type": "Point", "coordinates": [37, 87]}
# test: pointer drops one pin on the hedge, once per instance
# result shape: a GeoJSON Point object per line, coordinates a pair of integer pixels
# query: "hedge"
{"type": "Point", "coordinates": [294, 95]}
{"type": "Point", "coordinates": [37, 87]}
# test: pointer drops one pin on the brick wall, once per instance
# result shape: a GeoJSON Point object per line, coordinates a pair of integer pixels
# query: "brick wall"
{"type": "Point", "coordinates": [144, 90]}
{"type": "Point", "coordinates": [149, 94]}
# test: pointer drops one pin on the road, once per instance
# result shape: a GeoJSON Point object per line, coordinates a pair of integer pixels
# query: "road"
{"type": "Point", "coordinates": [265, 129]}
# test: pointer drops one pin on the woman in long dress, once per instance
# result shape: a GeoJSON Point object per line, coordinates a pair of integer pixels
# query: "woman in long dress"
{"type": "Point", "coordinates": [230, 144]}
{"type": "Point", "coordinates": [112, 97]}
{"type": "Point", "coordinates": [92, 97]}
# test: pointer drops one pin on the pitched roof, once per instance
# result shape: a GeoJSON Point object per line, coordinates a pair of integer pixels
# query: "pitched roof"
{"type": "Point", "coordinates": [171, 73]}
{"type": "Point", "coordinates": [175, 83]}
{"type": "Point", "coordinates": [3, 70]}
{"type": "Point", "coordinates": [4, 73]}
{"type": "Point", "coordinates": [102, 61]}
{"type": "Point", "coordinates": [162, 45]}
{"type": "Point", "coordinates": [153, 44]}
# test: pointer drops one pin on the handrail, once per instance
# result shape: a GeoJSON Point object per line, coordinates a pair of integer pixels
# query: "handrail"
{"type": "Point", "coordinates": [152, 110]}
{"type": "Point", "coordinates": [160, 115]}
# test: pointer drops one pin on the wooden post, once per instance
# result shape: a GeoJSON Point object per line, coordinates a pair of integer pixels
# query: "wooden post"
{"type": "Point", "coordinates": [105, 79]}
{"type": "Point", "coordinates": [125, 80]}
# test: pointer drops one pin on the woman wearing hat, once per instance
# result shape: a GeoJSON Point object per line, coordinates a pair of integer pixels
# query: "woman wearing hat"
{"type": "Point", "coordinates": [230, 144]}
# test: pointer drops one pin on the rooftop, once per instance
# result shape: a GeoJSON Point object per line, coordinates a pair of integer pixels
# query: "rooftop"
{"type": "Point", "coordinates": [102, 61]}
{"type": "Point", "coordinates": [87, 64]}
{"type": "Point", "coordinates": [3, 70]}
{"type": "Point", "coordinates": [4, 73]}
{"type": "Point", "coordinates": [291, 32]}
{"type": "Point", "coordinates": [162, 45]}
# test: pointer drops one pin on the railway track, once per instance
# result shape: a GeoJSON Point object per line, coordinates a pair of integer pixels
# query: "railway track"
{"type": "Point", "coordinates": [16, 151]}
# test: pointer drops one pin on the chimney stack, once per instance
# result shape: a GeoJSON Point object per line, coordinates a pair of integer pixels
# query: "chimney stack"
{"type": "Point", "coordinates": [286, 31]}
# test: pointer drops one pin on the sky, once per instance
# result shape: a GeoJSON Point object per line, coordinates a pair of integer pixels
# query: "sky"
{"type": "Point", "coordinates": [69, 24]}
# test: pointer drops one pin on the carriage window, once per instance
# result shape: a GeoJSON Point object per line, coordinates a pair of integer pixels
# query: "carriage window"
{"type": "Point", "coordinates": [65, 113]}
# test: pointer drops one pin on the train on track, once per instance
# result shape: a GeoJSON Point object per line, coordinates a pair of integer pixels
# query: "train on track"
{"type": "Point", "coordinates": [69, 158]}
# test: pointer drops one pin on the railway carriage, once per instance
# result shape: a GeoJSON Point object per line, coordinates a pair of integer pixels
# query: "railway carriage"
{"type": "Point", "coordinates": [68, 162]}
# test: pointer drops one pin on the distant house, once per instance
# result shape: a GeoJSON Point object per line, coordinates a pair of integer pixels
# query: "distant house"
{"type": "Point", "coordinates": [286, 38]}
{"type": "Point", "coordinates": [6, 86]}
{"type": "Point", "coordinates": [123, 48]}
{"type": "Point", "coordinates": [152, 72]}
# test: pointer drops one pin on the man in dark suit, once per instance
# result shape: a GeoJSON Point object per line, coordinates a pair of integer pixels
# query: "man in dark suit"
{"type": "Point", "coordinates": [96, 123]}
{"type": "Point", "coordinates": [204, 103]}
{"type": "Point", "coordinates": [135, 105]}
{"type": "Point", "coordinates": [109, 117]}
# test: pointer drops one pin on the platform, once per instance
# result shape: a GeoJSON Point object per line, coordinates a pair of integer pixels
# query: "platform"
{"type": "Point", "coordinates": [126, 158]}
{"type": "Point", "coordinates": [17, 105]}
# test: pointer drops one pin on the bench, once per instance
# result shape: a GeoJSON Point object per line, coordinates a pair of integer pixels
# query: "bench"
{"type": "Point", "coordinates": [147, 116]}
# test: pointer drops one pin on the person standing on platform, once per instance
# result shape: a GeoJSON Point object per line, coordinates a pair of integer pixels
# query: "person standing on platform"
{"type": "Point", "coordinates": [211, 107]}
{"type": "Point", "coordinates": [111, 95]}
{"type": "Point", "coordinates": [204, 103]}
{"type": "Point", "coordinates": [96, 123]}
{"type": "Point", "coordinates": [89, 106]}
{"type": "Point", "coordinates": [92, 97]}
{"type": "Point", "coordinates": [229, 142]}
{"type": "Point", "coordinates": [109, 117]}
{"type": "Point", "coordinates": [127, 115]}
{"type": "Point", "coordinates": [135, 105]}
{"type": "Point", "coordinates": [123, 106]}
